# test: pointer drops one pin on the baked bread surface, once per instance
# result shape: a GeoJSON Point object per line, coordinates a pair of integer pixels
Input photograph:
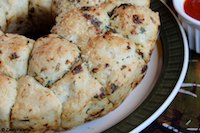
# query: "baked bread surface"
{"type": "Point", "coordinates": [8, 93]}
{"type": "Point", "coordinates": [96, 53]}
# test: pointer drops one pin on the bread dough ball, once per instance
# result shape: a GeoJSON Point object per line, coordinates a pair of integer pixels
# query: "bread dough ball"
{"type": "Point", "coordinates": [36, 108]}
{"type": "Point", "coordinates": [51, 58]}
{"type": "Point", "coordinates": [14, 54]}
{"type": "Point", "coordinates": [139, 24]}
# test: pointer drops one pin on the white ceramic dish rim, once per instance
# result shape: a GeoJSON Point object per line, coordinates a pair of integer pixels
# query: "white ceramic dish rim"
{"type": "Point", "coordinates": [179, 7]}
{"type": "Point", "coordinates": [167, 102]}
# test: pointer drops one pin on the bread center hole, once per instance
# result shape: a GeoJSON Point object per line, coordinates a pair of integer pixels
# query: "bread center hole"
{"type": "Point", "coordinates": [32, 19]}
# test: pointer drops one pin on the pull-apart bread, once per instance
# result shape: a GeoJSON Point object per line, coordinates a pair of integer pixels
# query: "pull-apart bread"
{"type": "Point", "coordinates": [94, 54]}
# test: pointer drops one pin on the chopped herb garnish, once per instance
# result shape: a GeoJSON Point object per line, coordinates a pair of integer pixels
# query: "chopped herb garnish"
{"type": "Point", "coordinates": [13, 56]}
{"type": "Point", "coordinates": [114, 87]}
{"type": "Point", "coordinates": [142, 30]}
{"type": "Point", "coordinates": [77, 69]}
{"type": "Point", "coordinates": [137, 19]}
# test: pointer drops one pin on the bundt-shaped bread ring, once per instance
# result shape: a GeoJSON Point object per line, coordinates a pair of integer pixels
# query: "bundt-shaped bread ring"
{"type": "Point", "coordinates": [92, 56]}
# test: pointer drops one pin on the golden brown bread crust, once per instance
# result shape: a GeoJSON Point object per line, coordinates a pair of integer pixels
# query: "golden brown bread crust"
{"type": "Point", "coordinates": [115, 68]}
{"type": "Point", "coordinates": [74, 27]}
{"type": "Point", "coordinates": [139, 24]}
{"type": "Point", "coordinates": [51, 58]}
{"type": "Point", "coordinates": [96, 54]}
{"type": "Point", "coordinates": [79, 25]}
{"type": "Point", "coordinates": [14, 54]}
{"type": "Point", "coordinates": [115, 63]}
{"type": "Point", "coordinates": [63, 6]}
{"type": "Point", "coordinates": [36, 107]}
{"type": "Point", "coordinates": [82, 96]}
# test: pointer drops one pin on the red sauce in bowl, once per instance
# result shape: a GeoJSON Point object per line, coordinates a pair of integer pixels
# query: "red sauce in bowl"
{"type": "Point", "coordinates": [192, 8]}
